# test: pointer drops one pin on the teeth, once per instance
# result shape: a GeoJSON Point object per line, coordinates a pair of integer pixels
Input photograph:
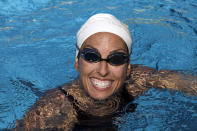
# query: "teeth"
{"type": "Point", "coordinates": [100, 84]}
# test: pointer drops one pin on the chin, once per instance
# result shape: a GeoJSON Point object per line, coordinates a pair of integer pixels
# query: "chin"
{"type": "Point", "coordinates": [103, 97]}
{"type": "Point", "coordinates": [100, 98]}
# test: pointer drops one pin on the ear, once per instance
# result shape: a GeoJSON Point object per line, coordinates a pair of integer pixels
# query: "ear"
{"type": "Point", "coordinates": [129, 69]}
{"type": "Point", "coordinates": [76, 64]}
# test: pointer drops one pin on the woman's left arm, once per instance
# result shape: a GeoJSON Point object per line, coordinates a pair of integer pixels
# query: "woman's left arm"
{"type": "Point", "coordinates": [139, 80]}
{"type": "Point", "coordinates": [174, 80]}
{"type": "Point", "coordinates": [143, 78]}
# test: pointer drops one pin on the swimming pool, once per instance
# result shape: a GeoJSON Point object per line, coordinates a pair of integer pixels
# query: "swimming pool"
{"type": "Point", "coordinates": [37, 40]}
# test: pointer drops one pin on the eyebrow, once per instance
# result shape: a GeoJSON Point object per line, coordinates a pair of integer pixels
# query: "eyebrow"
{"type": "Point", "coordinates": [117, 50]}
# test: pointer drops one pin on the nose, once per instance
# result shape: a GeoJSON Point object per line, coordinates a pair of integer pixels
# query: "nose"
{"type": "Point", "coordinates": [103, 69]}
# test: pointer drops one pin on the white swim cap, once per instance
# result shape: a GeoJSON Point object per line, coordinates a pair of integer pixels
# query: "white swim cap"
{"type": "Point", "coordinates": [103, 23]}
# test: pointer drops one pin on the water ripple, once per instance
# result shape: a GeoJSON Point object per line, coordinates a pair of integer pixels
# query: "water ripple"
{"type": "Point", "coordinates": [37, 39]}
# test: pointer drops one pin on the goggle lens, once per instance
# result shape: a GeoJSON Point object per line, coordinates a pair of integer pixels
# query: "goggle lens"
{"type": "Point", "coordinates": [91, 55]}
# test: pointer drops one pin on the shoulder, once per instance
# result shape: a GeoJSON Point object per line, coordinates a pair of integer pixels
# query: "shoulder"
{"type": "Point", "coordinates": [52, 110]}
{"type": "Point", "coordinates": [140, 69]}
{"type": "Point", "coordinates": [139, 72]}
{"type": "Point", "coordinates": [140, 80]}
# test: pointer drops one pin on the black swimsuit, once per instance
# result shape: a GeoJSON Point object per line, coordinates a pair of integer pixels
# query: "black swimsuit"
{"type": "Point", "coordinates": [100, 123]}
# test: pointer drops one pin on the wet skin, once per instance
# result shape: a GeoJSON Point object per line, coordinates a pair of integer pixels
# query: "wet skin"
{"type": "Point", "coordinates": [101, 80]}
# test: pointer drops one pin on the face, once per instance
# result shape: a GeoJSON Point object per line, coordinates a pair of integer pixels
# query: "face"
{"type": "Point", "coordinates": [101, 80]}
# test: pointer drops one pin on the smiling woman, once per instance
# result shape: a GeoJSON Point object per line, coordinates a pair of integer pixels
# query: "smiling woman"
{"type": "Point", "coordinates": [101, 79]}
{"type": "Point", "coordinates": [106, 35]}
{"type": "Point", "coordinates": [107, 82]}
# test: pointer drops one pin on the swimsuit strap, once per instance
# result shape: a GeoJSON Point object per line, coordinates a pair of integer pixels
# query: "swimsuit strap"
{"type": "Point", "coordinates": [71, 99]}
{"type": "Point", "coordinates": [88, 121]}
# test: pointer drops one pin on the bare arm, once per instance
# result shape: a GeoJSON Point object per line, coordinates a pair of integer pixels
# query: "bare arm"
{"type": "Point", "coordinates": [143, 78]}
{"type": "Point", "coordinates": [176, 81]}
{"type": "Point", "coordinates": [52, 111]}
{"type": "Point", "coordinates": [139, 81]}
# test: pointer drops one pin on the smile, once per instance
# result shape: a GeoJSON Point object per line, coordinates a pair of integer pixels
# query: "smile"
{"type": "Point", "coordinates": [101, 84]}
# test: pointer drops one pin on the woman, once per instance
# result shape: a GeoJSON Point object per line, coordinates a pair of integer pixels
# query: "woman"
{"type": "Point", "coordinates": [107, 82]}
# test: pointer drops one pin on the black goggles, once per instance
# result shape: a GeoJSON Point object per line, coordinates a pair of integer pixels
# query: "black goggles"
{"type": "Point", "coordinates": [92, 55]}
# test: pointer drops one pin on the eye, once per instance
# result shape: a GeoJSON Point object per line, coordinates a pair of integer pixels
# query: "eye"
{"type": "Point", "coordinates": [90, 55]}
{"type": "Point", "coordinates": [118, 58]}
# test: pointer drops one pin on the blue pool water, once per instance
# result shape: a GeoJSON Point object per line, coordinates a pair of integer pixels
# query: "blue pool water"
{"type": "Point", "coordinates": [37, 51]}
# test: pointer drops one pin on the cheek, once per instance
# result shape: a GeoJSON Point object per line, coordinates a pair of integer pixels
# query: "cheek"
{"type": "Point", "coordinates": [85, 67]}
{"type": "Point", "coordinates": [119, 72]}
